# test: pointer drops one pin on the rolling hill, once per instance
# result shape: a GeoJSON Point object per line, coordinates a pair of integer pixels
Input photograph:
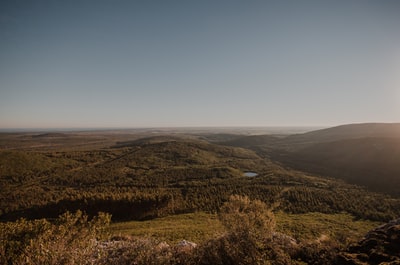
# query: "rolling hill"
{"type": "Point", "coordinates": [148, 177]}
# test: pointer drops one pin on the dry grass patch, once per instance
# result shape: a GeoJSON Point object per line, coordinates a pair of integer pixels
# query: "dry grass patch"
{"type": "Point", "coordinates": [197, 227]}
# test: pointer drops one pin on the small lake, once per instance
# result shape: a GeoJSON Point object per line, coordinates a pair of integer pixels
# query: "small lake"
{"type": "Point", "coordinates": [250, 174]}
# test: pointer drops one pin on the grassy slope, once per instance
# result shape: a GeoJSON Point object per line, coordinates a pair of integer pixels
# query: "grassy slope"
{"type": "Point", "coordinates": [199, 227]}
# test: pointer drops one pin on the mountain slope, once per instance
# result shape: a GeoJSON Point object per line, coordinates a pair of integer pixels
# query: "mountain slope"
{"type": "Point", "coordinates": [371, 162]}
{"type": "Point", "coordinates": [365, 154]}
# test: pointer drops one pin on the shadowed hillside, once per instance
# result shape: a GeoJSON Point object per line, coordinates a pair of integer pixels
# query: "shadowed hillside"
{"type": "Point", "coordinates": [371, 162]}
{"type": "Point", "coordinates": [296, 141]}
{"type": "Point", "coordinates": [364, 154]}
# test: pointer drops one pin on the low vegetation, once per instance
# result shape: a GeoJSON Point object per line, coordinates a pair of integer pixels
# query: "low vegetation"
{"type": "Point", "coordinates": [249, 237]}
{"type": "Point", "coordinates": [71, 239]}
{"type": "Point", "coordinates": [196, 227]}
{"type": "Point", "coordinates": [59, 192]}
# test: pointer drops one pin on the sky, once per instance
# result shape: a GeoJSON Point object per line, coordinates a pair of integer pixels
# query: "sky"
{"type": "Point", "coordinates": [86, 64]}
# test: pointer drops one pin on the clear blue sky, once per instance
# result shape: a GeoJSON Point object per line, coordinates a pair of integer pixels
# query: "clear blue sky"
{"type": "Point", "coordinates": [198, 63]}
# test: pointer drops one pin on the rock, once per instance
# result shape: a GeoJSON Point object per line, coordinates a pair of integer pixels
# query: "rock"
{"type": "Point", "coordinates": [163, 245]}
{"type": "Point", "coordinates": [285, 241]}
{"type": "Point", "coordinates": [379, 246]}
{"type": "Point", "coordinates": [348, 259]}
{"type": "Point", "coordinates": [185, 243]}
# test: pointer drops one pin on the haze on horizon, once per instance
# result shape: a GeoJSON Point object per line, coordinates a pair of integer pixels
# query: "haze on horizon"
{"type": "Point", "coordinates": [76, 64]}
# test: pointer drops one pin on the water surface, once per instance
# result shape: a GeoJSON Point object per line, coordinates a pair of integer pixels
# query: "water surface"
{"type": "Point", "coordinates": [250, 174]}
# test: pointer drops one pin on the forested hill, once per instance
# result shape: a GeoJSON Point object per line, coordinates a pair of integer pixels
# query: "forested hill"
{"type": "Point", "coordinates": [143, 178]}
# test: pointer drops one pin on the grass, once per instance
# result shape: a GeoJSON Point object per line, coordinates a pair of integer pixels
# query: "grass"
{"type": "Point", "coordinates": [310, 226]}
{"type": "Point", "coordinates": [199, 227]}
{"type": "Point", "coordinates": [196, 227]}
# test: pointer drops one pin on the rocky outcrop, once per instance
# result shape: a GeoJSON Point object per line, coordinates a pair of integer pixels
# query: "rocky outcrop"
{"type": "Point", "coordinates": [379, 246]}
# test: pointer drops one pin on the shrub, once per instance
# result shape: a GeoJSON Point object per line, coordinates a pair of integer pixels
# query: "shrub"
{"type": "Point", "coordinates": [249, 239]}
{"type": "Point", "coordinates": [245, 218]}
{"type": "Point", "coordinates": [71, 239]}
{"type": "Point", "coordinates": [318, 252]}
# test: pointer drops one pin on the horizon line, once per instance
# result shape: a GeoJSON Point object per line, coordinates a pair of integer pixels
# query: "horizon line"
{"type": "Point", "coordinates": [111, 128]}
{"type": "Point", "coordinates": [99, 128]}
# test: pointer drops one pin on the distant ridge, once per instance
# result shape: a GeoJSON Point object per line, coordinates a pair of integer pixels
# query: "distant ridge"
{"type": "Point", "coordinates": [349, 131]}
{"type": "Point", "coordinates": [151, 140]}
{"type": "Point", "coordinates": [331, 134]}
{"type": "Point", "coordinates": [252, 141]}
{"type": "Point", "coordinates": [50, 135]}
{"type": "Point", "coordinates": [366, 154]}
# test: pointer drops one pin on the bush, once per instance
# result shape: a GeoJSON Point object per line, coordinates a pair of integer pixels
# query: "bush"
{"type": "Point", "coordinates": [245, 218]}
{"type": "Point", "coordinates": [249, 239]}
{"type": "Point", "coordinates": [71, 239]}
{"type": "Point", "coordinates": [317, 252]}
